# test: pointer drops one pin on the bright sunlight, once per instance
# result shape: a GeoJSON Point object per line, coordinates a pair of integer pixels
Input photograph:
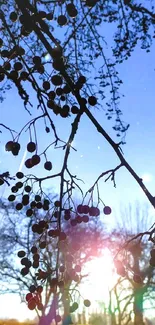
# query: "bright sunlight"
{"type": "Point", "coordinates": [102, 277]}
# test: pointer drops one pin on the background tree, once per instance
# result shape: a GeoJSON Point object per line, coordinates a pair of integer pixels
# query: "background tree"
{"type": "Point", "coordinates": [136, 290]}
{"type": "Point", "coordinates": [97, 319]}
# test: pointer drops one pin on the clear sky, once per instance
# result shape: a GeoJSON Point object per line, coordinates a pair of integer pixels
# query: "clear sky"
{"type": "Point", "coordinates": [94, 155]}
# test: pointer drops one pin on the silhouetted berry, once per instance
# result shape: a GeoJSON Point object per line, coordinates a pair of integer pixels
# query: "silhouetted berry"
{"type": "Point", "coordinates": [59, 91]}
{"type": "Point", "coordinates": [31, 147]}
{"type": "Point", "coordinates": [62, 20]}
{"type": "Point", "coordinates": [46, 85]}
{"type": "Point", "coordinates": [25, 199]}
{"type": "Point", "coordinates": [51, 233]}
{"type": "Point", "coordinates": [74, 109]}
{"type": "Point", "coordinates": [65, 111]}
{"type": "Point", "coordinates": [15, 148]}
{"type": "Point", "coordinates": [39, 205]}
{"type": "Point", "coordinates": [7, 66]}
{"type": "Point", "coordinates": [29, 212]}
{"type": "Point", "coordinates": [24, 75]}
{"type": "Point", "coordinates": [19, 175]}
{"type": "Point", "coordinates": [33, 204]}
{"type": "Point", "coordinates": [37, 60]}
{"type": "Point", "coordinates": [35, 160]}
{"type": "Point", "coordinates": [51, 95]}
{"type": "Point", "coordinates": [27, 188]}
{"type": "Point", "coordinates": [9, 146]}
{"type": "Point", "coordinates": [29, 163]}
{"type": "Point", "coordinates": [24, 271]}
{"type": "Point", "coordinates": [57, 204]}
{"type": "Point", "coordinates": [14, 189]}
{"type": "Point", "coordinates": [56, 80]}
{"type": "Point", "coordinates": [11, 197]}
{"type": "Point", "coordinates": [82, 79]}
{"type": "Point", "coordinates": [80, 208]}
{"type": "Point", "coordinates": [13, 75]}
{"type": "Point", "coordinates": [19, 206]}
{"type": "Point", "coordinates": [32, 304]}
{"type": "Point", "coordinates": [92, 100]}
{"type": "Point", "coordinates": [107, 210]}
{"type": "Point", "coordinates": [5, 53]}
{"type": "Point", "coordinates": [21, 254]}
{"type": "Point", "coordinates": [35, 264]}
{"type": "Point", "coordinates": [24, 261]}
{"type": "Point", "coordinates": [28, 296]}
{"type": "Point", "coordinates": [79, 219]}
{"type": "Point", "coordinates": [37, 198]}
{"type": "Point", "coordinates": [48, 165]}
{"type": "Point", "coordinates": [47, 129]}
{"type": "Point", "coordinates": [42, 224]}
{"type": "Point", "coordinates": [42, 244]}
{"type": "Point", "coordinates": [32, 288]}
{"type": "Point", "coordinates": [85, 218]}
{"type": "Point", "coordinates": [87, 303]}
{"type": "Point", "coordinates": [73, 222]}
{"type": "Point", "coordinates": [73, 307]}
{"type": "Point", "coordinates": [85, 209]}
{"type": "Point", "coordinates": [34, 249]}
{"type": "Point", "coordinates": [18, 66]}
{"type": "Point", "coordinates": [34, 227]}
{"type": "Point", "coordinates": [71, 10]}
{"type": "Point", "coordinates": [19, 185]}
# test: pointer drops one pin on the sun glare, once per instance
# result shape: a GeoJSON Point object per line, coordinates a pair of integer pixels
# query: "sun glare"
{"type": "Point", "coordinates": [101, 279]}
{"type": "Point", "coordinates": [147, 178]}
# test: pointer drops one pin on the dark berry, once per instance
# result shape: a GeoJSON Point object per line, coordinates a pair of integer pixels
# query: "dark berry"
{"type": "Point", "coordinates": [31, 147]}
{"type": "Point", "coordinates": [48, 165]}
{"type": "Point", "coordinates": [19, 175]}
{"type": "Point", "coordinates": [92, 100]}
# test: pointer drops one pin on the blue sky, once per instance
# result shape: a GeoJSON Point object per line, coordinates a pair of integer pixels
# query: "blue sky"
{"type": "Point", "coordinates": [94, 155]}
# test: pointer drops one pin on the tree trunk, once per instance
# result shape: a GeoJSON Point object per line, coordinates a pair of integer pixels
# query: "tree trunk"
{"type": "Point", "coordinates": [138, 306]}
{"type": "Point", "coordinates": [67, 320]}
{"type": "Point", "coordinates": [66, 303]}
{"type": "Point", "coordinates": [47, 319]}
{"type": "Point", "coordinates": [113, 318]}
{"type": "Point", "coordinates": [138, 291]}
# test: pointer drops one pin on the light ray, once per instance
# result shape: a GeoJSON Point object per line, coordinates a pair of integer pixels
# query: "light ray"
{"type": "Point", "coordinates": [22, 161]}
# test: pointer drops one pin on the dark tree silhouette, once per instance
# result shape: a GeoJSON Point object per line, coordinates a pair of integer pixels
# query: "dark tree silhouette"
{"type": "Point", "coordinates": [51, 50]}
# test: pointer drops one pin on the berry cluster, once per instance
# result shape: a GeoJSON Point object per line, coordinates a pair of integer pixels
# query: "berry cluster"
{"type": "Point", "coordinates": [33, 297]}
{"type": "Point", "coordinates": [13, 146]}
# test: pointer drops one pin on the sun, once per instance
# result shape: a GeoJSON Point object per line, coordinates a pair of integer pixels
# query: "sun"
{"type": "Point", "coordinates": [147, 178]}
{"type": "Point", "coordinates": [101, 278]}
